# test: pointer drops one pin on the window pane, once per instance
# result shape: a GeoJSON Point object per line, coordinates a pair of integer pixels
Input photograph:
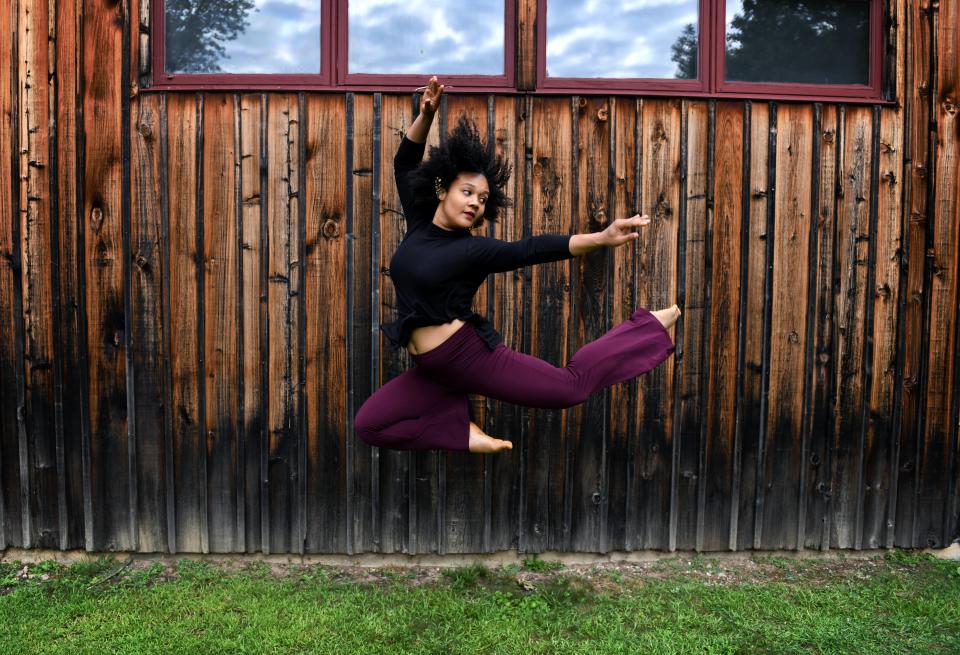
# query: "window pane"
{"type": "Point", "coordinates": [445, 37]}
{"type": "Point", "coordinates": [622, 38]}
{"type": "Point", "coordinates": [812, 42]}
{"type": "Point", "coordinates": [242, 36]}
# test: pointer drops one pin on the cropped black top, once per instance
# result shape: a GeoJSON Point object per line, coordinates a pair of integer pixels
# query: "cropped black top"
{"type": "Point", "coordinates": [436, 272]}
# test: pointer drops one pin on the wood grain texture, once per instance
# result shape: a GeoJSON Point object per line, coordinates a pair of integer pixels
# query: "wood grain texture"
{"type": "Point", "coordinates": [689, 404]}
{"type": "Point", "coordinates": [363, 530]}
{"type": "Point", "coordinates": [586, 501]}
{"type": "Point", "coordinates": [188, 452]}
{"type": "Point", "coordinates": [34, 94]}
{"type": "Point", "coordinates": [103, 27]}
{"type": "Point", "coordinates": [408, 501]}
{"type": "Point", "coordinates": [551, 212]}
{"type": "Point", "coordinates": [282, 335]}
{"type": "Point", "coordinates": [624, 439]}
{"type": "Point", "coordinates": [527, 26]}
{"type": "Point", "coordinates": [723, 329]}
{"type": "Point", "coordinates": [853, 240]}
{"type": "Point", "coordinates": [787, 330]}
{"type": "Point", "coordinates": [916, 180]}
{"type": "Point", "coordinates": [220, 326]}
{"type": "Point", "coordinates": [819, 462]}
{"type": "Point", "coordinates": [251, 297]}
{"type": "Point", "coordinates": [69, 235]}
{"type": "Point", "coordinates": [754, 279]}
{"type": "Point", "coordinates": [11, 530]}
{"type": "Point", "coordinates": [936, 467]}
{"type": "Point", "coordinates": [326, 308]}
{"type": "Point", "coordinates": [147, 324]}
{"type": "Point", "coordinates": [657, 288]}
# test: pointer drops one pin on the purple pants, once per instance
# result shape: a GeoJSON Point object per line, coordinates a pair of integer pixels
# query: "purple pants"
{"type": "Point", "coordinates": [427, 407]}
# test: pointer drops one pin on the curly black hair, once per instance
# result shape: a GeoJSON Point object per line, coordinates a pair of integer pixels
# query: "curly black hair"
{"type": "Point", "coordinates": [462, 152]}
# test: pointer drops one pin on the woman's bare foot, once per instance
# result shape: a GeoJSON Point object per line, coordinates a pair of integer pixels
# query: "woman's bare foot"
{"type": "Point", "coordinates": [481, 442]}
{"type": "Point", "coordinates": [668, 316]}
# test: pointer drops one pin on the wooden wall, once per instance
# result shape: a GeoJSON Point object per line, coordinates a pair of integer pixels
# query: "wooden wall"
{"type": "Point", "coordinates": [191, 286]}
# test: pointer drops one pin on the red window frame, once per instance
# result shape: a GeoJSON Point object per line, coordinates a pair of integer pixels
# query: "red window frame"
{"type": "Point", "coordinates": [711, 34]}
{"type": "Point", "coordinates": [334, 35]}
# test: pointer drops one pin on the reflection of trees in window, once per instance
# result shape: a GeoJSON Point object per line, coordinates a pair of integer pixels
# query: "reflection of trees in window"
{"type": "Point", "coordinates": [197, 29]}
{"type": "Point", "coordinates": [685, 53]}
{"type": "Point", "coordinates": [813, 41]}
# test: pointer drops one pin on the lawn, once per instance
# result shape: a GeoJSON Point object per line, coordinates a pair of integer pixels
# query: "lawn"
{"type": "Point", "coordinates": [896, 603]}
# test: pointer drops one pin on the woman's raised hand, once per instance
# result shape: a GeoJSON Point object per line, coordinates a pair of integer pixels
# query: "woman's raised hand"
{"type": "Point", "coordinates": [622, 230]}
{"type": "Point", "coordinates": [430, 100]}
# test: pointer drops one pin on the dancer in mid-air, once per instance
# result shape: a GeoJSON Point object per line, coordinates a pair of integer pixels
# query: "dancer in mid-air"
{"type": "Point", "coordinates": [436, 271]}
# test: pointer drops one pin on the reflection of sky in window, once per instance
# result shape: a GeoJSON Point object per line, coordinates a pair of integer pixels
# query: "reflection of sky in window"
{"type": "Point", "coordinates": [444, 37]}
{"type": "Point", "coordinates": [615, 38]}
{"type": "Point", "coordinates": [283, 36]}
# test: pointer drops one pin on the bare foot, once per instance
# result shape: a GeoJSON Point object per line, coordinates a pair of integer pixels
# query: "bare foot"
{"type": "Point", "coordinates": [481, 442]}
{"type": "Point", "coordinates": [668, 316]}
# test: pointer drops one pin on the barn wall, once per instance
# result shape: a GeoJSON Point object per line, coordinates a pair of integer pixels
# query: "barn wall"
{"type": "Point", "coordinates": [191, 286]}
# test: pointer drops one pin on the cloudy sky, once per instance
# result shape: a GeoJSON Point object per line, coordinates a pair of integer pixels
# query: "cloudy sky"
{"type": "Point", "coordinates": [586, 38]}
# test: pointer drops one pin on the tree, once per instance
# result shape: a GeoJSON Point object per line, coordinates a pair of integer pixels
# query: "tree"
{"type": "Point", "coordinates": [197, 29]}
{"type": "Point", "coordinates": [685, 53]}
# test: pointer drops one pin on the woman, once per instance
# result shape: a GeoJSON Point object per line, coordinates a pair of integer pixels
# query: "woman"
{"type": "Point", "coordinates": [436, 271]}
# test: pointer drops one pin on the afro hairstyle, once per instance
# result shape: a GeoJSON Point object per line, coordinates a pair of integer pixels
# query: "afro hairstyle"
{"type": "Point", "coordinates": [461, 152]}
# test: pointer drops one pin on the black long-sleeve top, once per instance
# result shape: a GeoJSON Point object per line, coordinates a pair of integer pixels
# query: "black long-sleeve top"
{"type": "Point", "coordinates": [436, 272]}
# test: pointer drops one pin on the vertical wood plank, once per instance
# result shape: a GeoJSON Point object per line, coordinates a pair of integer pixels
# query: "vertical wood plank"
{"type": "Point", "coordinates": [551, 212]}
{"type": "Point", "coordinates": [72, 360]}
{"type": "Point", "coordinates": [408, 519]}
{"type": "Point", "coordinates": [723, 334]}
{"type": "Point", "coordinates": [282, 334]}
{"type": "Point", "coordinates": [623, 435]}
{"type": "Point", "coordinates": [936, 524]}
{"type": "Point", "coordinates": [657, 288]}
{"type": "Point", "coordinates": [10, 527]}
{"type": "Point", "coordinates": [364, 523]}
{"type": "Point", "coordinates": [33, 123]}
{"type": "Point", "coordinates": [916, 165]}
{"type": "Point", "coordinates": [527, 44]}
{"type": "Point", "coordinates": [879, 455]}
{"type": "Point", "coordinates": [252, 300]}
{"type": "Point", "coordinates": [464, 506]}
{"type": "Point", "coordinates": [506, 290]}
{"type": "Point", "coordinates": [146, 324]}
{"type": "Point", "coordinates": [753, 282]}
{"type": "Point", "coordinates": [220, 326]}
{"type": "Point", "coordinates": [587, 424]}
{"type": "Point", "coordinates": [103, 30]}
{"type": "Point", "coordinates": [325, 299]}
{"type": "Point", "coordinates": [853, 239]}
{"type": "Point", "coordinates": [787, 330]}
{"type": "Point", "coordinates": [188, 456]}
{"type": "Point", "coordinates": [691, 367]}
{"type": "Point", "coordinates": [819, 462]}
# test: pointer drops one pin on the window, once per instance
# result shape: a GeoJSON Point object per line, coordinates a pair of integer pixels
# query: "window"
{"type": "Point", "coordinates": [332, 43]}
{"type": "Point", "coordinates": [802, 49]}
{"type": "Point", "coordinates": [780, 48]}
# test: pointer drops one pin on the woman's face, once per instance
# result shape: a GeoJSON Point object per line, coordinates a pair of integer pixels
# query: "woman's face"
{"type": "Point", "coordinates": [462, 204]}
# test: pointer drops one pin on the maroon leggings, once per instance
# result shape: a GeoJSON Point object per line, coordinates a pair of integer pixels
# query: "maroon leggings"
{"type": "Point", "coordinates": [427, 407]}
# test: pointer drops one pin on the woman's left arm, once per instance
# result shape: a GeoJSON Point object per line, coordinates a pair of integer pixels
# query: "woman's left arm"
{"type": "Point", "coordinates": [617, 233]}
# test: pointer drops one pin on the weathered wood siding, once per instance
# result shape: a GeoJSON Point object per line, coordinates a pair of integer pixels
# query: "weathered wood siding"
{"type": "Point", "coordinates": [191, 286]}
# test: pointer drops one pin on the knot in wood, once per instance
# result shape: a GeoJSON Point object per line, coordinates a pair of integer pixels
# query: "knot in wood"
{"type": "Point", "coordinates": [145, 130]}
{"type": "Point", "coordinates": [950, 106]}
{"type": "Point", "coordinates": [330, 229]}
{"type": "Point", "coordinates": [96, 218]}
{"type": "Point", "coordinates": [603, 113]}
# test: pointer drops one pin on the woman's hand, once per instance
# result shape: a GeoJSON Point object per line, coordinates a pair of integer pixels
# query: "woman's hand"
{"type": "Point", "coordinates": [616, 234]}
{"type": "Point", "coordinates": [430, 100]}
{"type": "Point", "coordinates": [622, 230]}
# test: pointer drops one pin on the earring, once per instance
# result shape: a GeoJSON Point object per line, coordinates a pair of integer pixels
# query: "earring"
{"type": "Point", "coordinates": [438, 185]}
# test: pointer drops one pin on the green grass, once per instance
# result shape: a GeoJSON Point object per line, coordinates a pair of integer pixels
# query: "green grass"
{"type": "Point", "coordinates": [899, 603]}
